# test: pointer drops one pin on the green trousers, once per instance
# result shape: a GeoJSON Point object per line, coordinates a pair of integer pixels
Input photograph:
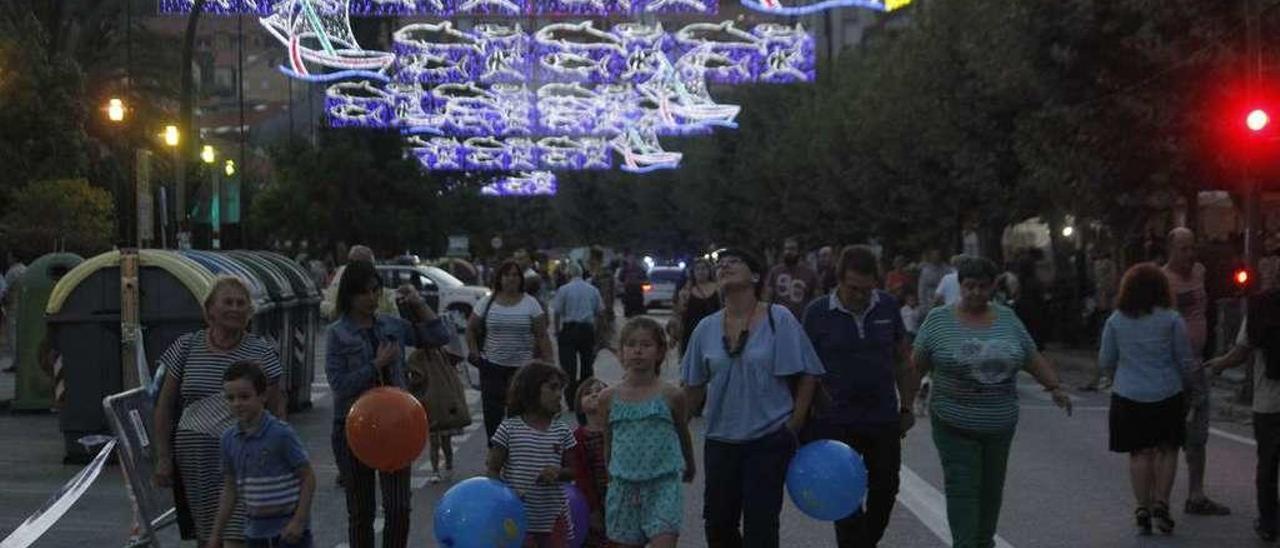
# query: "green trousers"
{"type": "Point", "coordinates": [973, 469]}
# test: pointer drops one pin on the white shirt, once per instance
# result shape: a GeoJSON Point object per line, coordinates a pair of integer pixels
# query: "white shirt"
{"type": "Point", "coordinates": [948, 289]}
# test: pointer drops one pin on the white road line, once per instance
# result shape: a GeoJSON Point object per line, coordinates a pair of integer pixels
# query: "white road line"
{"type": "Point", "coordinates": [928, 504]}
{"type": "Point", "coordinates": [1233, 437]}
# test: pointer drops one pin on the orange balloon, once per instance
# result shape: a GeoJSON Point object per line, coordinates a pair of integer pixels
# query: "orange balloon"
{"type": "Point", "coordinates": [386, 428]}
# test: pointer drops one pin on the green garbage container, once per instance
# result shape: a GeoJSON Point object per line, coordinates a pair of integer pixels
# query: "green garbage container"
{"type": "Point", "coordinates": [34, 390]}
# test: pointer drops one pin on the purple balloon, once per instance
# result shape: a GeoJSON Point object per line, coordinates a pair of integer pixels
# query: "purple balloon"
{"type": "Point", "coordinates": [579, 514]}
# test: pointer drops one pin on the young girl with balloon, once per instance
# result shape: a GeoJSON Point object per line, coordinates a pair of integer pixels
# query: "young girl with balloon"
{"type": "Point", "coordinates": [647, 444]}
{"type": "Point", "coordinates": [531, 452]}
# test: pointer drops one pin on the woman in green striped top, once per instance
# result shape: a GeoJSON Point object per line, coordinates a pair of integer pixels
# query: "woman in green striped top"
{"type": "Point", "coordinates": [975, 349]}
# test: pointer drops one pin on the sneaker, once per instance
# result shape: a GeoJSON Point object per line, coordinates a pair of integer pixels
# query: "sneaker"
{"type": "Point", "coordinates": [1160, 515]}
{"type": "Point", "coordinates": [1143, 518]}
{"type": "Point", "coordinates": [1264, 534]}
{"type": "Point", "coordinates": [434, 478]}
{"type": "Point", "coordinates": [1205, 507]}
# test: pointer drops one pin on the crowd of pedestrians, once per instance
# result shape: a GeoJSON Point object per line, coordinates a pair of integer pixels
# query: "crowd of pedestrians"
{"type": "Point", "coordinates": [833, 347]}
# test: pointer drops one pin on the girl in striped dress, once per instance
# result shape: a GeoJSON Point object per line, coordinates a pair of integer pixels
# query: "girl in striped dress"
{"type": "Point", "coordinates": [531, 452]}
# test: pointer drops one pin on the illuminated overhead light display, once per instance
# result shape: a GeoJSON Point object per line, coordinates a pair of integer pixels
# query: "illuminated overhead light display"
{"type": "Point", "coordinates": [497, 97]}
{"type": "Point", "coordinates": [781, 7]}
{"type": "Point", "coordinates": [531, 183]}
{"type": "Point", "coordinates": [316, 32]}
{"type": "Point", "coordinates": [445, 8]}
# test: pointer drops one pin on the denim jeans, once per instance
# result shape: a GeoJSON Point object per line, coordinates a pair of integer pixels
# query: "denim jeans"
{"type": "Point", "coordinates": [744, 484]}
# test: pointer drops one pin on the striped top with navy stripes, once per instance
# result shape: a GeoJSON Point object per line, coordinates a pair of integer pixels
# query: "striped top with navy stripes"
{"type": "Point", "coordinates": [264, 462]}
{"type": "Point", "coordinates": [200, 374]}
{"type": "Point", "coordinates": [508, 339]}
{"type": "Point", "coordinates": [529, 451]}
{"type": "Point", "coordinates": [975, 368]}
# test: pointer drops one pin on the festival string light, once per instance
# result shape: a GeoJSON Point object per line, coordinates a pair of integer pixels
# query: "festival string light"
{"type": "Point", "coordinates": [527, 183]}
{"type": "Point", "coordinates": [447, 8]}
{"type": "Point", "coordinates": [780, 7]}
{"type": "Point", "coordinates": [566, 96]}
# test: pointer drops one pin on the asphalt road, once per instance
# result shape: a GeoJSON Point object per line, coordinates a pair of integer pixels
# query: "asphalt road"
{"type": "Point", "coordinates": [1063, 489]}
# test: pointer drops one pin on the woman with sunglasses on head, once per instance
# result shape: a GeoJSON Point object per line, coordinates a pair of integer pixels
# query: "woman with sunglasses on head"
{"type": "Point", "coordinates": [365, 349]}
{"type": "Point", "coordinates": [756, 369]}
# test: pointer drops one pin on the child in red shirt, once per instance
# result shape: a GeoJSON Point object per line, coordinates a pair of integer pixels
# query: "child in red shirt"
{"type": "Point", "coordinates": [592, 473]}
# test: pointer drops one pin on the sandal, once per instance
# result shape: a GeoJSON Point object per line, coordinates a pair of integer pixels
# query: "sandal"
{"type": "Point", "coordinates": [1160, 514]}
{"type": "Point", "coordinates": [1143, 517]}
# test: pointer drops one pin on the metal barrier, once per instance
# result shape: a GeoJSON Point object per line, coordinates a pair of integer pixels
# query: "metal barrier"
{"type": "Point", "coordinates": [130, 415]}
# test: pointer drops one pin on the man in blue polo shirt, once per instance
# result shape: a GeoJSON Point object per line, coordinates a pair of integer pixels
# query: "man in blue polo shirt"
{"type": "Point", "coordinates": [859, 336]}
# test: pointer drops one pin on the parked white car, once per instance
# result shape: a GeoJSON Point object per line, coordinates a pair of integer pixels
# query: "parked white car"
{"type": "Point", "coordinates": [660, 290]}
{"type": "Point", "coordinates": [446, 294]}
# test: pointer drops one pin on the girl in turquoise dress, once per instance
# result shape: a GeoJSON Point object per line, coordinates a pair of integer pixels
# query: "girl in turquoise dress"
{"type": "Point", "coordinates": [647, 444]}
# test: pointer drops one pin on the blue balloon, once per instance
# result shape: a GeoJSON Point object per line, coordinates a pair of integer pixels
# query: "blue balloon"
{"type": "Point", "coordinates": [480, 513]}
{"type": "Point", "coordinates": [827, 480]}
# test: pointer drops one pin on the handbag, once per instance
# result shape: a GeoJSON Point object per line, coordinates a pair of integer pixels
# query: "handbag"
{"type": "Point", "coordinates": [434, 381]}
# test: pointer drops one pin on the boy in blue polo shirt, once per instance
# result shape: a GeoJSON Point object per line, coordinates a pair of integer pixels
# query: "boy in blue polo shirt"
{"type": "Point", "coordinates": [263, 463]}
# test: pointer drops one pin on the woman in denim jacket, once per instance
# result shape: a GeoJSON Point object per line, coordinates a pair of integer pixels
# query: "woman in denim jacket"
{"type": "Point", "coordinates": [365, 350]}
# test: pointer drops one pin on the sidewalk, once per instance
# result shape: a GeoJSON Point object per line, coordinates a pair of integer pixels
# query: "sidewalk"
{"type": "Point", "coordinates": [1076, 368]}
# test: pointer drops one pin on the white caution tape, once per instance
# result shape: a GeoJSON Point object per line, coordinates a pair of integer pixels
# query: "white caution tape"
{"type": "Point", "coordinates": [39, 523]}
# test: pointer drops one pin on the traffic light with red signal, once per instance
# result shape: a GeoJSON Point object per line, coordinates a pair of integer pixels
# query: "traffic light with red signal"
{"type": "Point", "coordinates": [1257, 120]}
{"type": "Point", "coordinates": [1242, 278]}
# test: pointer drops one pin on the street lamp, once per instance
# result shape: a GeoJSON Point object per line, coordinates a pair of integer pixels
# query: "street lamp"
{"type": "Point", "coordinates": [230, 168]}
{"type": "Point", "coordinates": [207, 154]}
{"type": "Point", "coordinates": [171, 135]}
{"type": "Point", "coordinates": [115, 110]}
{"type": "Point", "coordinates": [1067, 231]}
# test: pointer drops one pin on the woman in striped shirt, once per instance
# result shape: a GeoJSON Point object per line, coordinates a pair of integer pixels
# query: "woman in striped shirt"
{"type": "Point", "coordinates": [507, 330]}
{"type": "Point", "coordinates": [975, 349]}
{"type": "Point", "coordinates": [193, 368]}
